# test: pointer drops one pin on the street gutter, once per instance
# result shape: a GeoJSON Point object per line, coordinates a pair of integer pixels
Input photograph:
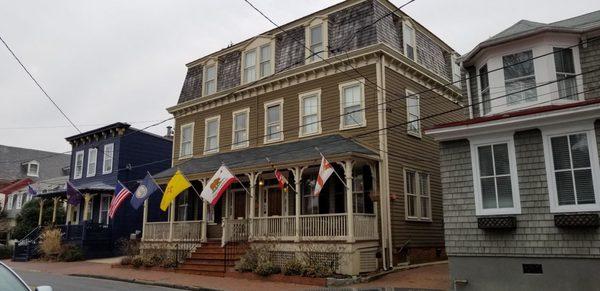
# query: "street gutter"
{"type": "Point", "coordinates": [144, 282]}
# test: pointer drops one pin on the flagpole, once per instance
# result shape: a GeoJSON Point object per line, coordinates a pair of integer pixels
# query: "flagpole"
{"type": "Point", "coordinates": [153, 180]}
{"type": "Point", "coordinates": [197, 193]}
{"type": "Point", "coordinates": [336, 173]}
{"type": "Point", "coordinates": [274, 168]}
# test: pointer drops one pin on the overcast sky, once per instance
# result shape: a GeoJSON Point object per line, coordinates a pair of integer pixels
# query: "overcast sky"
{"type": "Point", "coordinates": [113, 60]}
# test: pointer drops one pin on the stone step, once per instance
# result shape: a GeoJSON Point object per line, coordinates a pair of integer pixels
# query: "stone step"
{"type": "Point", "coordinates": [210, 262]}
{"type": "Point", "coordinates": [216, 256]}
{"type": "Point", "coordinates": [202, 273]}
{"type": "Point", "coordinates": [198, 267]}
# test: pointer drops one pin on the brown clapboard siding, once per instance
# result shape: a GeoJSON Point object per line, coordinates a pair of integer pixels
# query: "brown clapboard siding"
{"type": "Point", "coordinates": [421, 154]}
{"type": "Point", "coordinates": [330, 111]}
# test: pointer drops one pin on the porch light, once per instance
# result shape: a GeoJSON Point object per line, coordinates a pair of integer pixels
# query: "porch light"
{"type": "Point", "coordinates": [261, 182]}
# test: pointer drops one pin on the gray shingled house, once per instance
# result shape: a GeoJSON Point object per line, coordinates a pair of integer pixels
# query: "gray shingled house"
{"type": "Point", "coordinates": [521, 178]}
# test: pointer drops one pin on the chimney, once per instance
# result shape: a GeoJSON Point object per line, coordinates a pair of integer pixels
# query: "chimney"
{"type": "Point", "coordinates": [169, 134]}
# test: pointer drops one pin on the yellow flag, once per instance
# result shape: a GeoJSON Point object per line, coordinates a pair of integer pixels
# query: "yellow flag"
{"type": "Point", "coordinates": [176, 185]}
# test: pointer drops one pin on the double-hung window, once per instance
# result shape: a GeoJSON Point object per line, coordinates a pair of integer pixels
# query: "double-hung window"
{"type": "Point", "coordinates": [210, 79]}
{"type": "Point", "coordinates": [310, 202]}
{"type": "Point", "coordinates": [240, 128]}
{"type": "Point", "coordinates": [104, 205]}
{"type": "Point", "coordinates": [413, 113]}
{"type": "Point", "coordinates": [186, 140]}
{"type": "Point", "coordinates": [182, 203]}
{"type": "Point", "coordinates": [316, 43]}
{"type": "Point", "coordinates": [274, 121]}
{"type": "Point", "coordinates": [572, 170]}
{"type": "Point", "coordinates": [352, 105]}
{"type": "Point", "coordinates": [519, 78]}
{"type": "Point", "coordinates": [359, 195]}
{"type": "Point", "coordinates": [310, 115]}
{"type": "Point", "coordinates": [565, 73]}
{"type": "Point", "coordinates": [91, 162]}
{"type": "Point", "coordinates": [250, 66]}
{"type": "Point", "coordinates": [107, 161]}
{"type": "Point", "coordinates": [265, 60]}
{"type": "Point", "coordinates": [484, 84]}
{"type": "Point", "coordinates": [9, 203]}
{"type": "Point", "coordinates": [495, 177]}
{"type": "Point", "coordinates": [408, 37]}
{"type": "Point", "coordinates": [211, 133]}
{"type": "Point", "coordinates": [78, 165]}
{"type": "Point", "coordinates": [33, 169]}
{"type": "Point", "coordinates": [417, 195]}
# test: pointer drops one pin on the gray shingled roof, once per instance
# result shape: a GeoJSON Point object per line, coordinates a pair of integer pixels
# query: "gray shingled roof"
{"type": "Point", "coordinates": [12, 159]}
{"type": "Point", "coordinates": [577, 24]}
{"type": "Point", "coordinates": [297, 151]}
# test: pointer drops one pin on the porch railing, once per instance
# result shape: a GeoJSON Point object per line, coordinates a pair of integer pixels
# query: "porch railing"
{"type": "Point", "coordinates": [323, 226]}
{"type": "Point", "coordinates": [182, 231]}
{"type": "Point", "coordinates": [275, 227]}
{"type": "Point", "coordinates": [365, 226]}
{"type": "Point", "coordinates": [234, 230]}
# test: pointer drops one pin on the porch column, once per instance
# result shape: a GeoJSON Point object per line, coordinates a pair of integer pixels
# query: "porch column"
{"type": "Point", "coordinates": [41, 212]}
{"type": "Point", "coordinates": [348, 166]}
{"type": "Point", "coordinates": [144, 218]}
{"type": "Point", "coordinates": [203, 233]}
{"type": "Point", "coordinates": [297, 172]}
{"type": "Point", "coordinates": [171, 219]}
{"type": "Point", "coordinates": [86, 200]}
{"type": "Point", "coordinates": [55, 200]}
{"type": "Point", "coordinates": [68, 220]}
{"type": "Point", "coordinates": [252, 177]}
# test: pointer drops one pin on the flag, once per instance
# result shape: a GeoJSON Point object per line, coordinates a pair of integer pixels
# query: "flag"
{"type": "Point", "coordinates": [217, 185]}
{"type": "Point", "coordinates": [121, 194]}
{"type": "Point", "coordinates": [324, 172]}
{"type": "Point", "coordinates": [143, 191]}
{"type": "Point", "coordinates": [280, 179]}
{"type": "Point", "coordinates": [31, 191]}
{"type": "Point", "coordinates": [176, 185]}
{"type": "Point", "coordinates": [73, 195]}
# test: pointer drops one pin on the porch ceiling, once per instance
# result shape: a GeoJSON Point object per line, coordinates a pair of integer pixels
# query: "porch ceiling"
{"type": "Point", "coordinates": [283, 154]}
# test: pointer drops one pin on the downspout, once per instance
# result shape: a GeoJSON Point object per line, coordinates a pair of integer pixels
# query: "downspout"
{"type": "Point", "coordinates": [387, 175]}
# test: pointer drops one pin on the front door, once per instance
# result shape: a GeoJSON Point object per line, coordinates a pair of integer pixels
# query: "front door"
{"type": "Point", "coordinates": [273, 201]}
{"type": "Point", "coordinates": [239, 204]}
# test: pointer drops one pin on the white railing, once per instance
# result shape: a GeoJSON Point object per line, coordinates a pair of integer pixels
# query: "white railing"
{"type": "Point", "coordinates": [274, 227]}
{"type": "Point", "coordinates": [182, 231]}
{"type": "Point", "coordinates": [323, 226]}
{"type": "Point", "coordinates": [234, 230]}
{"type": "Point", "coordinates": [365, 226]}
{"type": "Point", "coordinates": [187, 230]}
{"type": "Point", "coordinates": [156, 231]}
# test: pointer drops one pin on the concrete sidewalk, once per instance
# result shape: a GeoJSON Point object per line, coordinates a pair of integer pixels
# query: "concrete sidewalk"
{"type": "Point", "coordinates": [427, 277]}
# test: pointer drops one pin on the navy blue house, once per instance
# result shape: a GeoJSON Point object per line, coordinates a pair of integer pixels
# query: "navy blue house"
{"type": "Point", "coordinates": [99, 159]}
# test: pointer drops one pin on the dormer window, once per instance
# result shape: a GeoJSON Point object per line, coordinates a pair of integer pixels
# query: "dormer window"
{"type": "Point", "coordinates": [565, 73]}
{"type": "Point", "coordinates": [408, 37]}
{"type": "Point", "coordinates": [257, 60]}
{"type": "Point", "coordinates": [210, 79]}
{"type": "Point", "coordinates": [519, 78]}
{"type": "Point", "coordinates": [33, 169]}
{"type": "Point", "coordinates": [316, 40]}
{"type": "Point", "coordinates": [78, 165]}
{"type": "Point", "coordinates": [250, 66]}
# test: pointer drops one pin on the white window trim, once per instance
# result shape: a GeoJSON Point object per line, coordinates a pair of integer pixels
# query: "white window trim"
{"type": "Point", "coordinates": [191, 125]}
{"type": "Point", "coordinates": [361, 83]}
{"type": "Point", "coordinates": [246, 143]}
{"type": "Point", "coordinates": [206, 121]}
{"type": "Point", "coordinates": [301, 98]}
{"type": "Point", "coordinates": [325, 39]}
{"type": "Point", "coordinates": [210, 63]}
{"type": "Point", "coordinates": [9, 201]}
{"type": "Point", "coordinates": [414, 40]}
{"type": "Point", "coordinates": [78, 154]}
{"type": "Point", "coordinates": [29, 173]}
{"type": "Point", "coordinates": [106, 157]}
{"type": "Point", "coordinates": [102, 197]}
{"type": "Point", "coordinates": [567, 129]}
{"type": "Point", "coordinates": [476, 142]}
{"type": "Point", "coordinates": [408, 131]}
{"type": "Point", "coordinates": [90, 161]}
{"type": "Point", "coordinates": [256, 46]}
{"type": "Point", "coordinates": [267, 105]}
{"type": "Point", "coordinates": [417, 195]}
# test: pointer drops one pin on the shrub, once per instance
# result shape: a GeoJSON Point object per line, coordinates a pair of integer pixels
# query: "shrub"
{"type": "Point", "coordinates": [169, 262]}
{"type": "Point", "coordinates": [152, 260]}
{"type": "Point", "coordinates": [70, 253]}
{"type": "Point", "coordinates": [266, 268]}
{"type": "Point", "coordinates": [293, 267]}
{"type": "Point", "coordinates": [137, 261]}
{"type": "Point", "coordinates": [248, 261]}
{"type": "Point", "coordinates": [50, 242]}
{"type": "Point", "coordinates": [126, 260]}
{"type": "Point", "coordinates": [6, 252]}
{"type": "Point", "coordinates": [128, 247]}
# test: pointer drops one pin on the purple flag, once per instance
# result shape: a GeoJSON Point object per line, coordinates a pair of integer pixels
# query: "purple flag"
{"type": "Point", "coordinates": [73, 195]}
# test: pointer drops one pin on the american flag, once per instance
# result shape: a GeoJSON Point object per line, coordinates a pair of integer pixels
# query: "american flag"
{"type": "Point", "coordinates": [121, 194]}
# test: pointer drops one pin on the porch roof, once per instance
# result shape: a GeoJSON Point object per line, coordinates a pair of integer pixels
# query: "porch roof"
{"type": "Point", "coordinates": [91, 187]}
{"type": "Point", "coordinates": [331, 146]}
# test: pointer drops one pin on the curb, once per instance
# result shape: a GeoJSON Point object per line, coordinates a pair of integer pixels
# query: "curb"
{"type": "Point", "coordinates": [331, 282]}
{"type": "Point", "coordinates": [143, 282]}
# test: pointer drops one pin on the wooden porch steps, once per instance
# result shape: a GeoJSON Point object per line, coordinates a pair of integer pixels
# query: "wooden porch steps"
{"type": "Point", "coordinates": [210, 259]}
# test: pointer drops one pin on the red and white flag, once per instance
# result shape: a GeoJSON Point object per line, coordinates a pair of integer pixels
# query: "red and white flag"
{"type": "Point", "coordinates": [324, 172]}
{"type": "Point", "coordinates": [280, 179]}
{"type": "Point", "coordinates": [121, 194]}
{"type": "Point", "coordinates": [217, 185]}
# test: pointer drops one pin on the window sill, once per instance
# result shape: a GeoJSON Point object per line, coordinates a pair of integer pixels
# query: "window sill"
{"type": "Point", "coordinates": [185, 157]}
{"type": "Point", "coordinates": [414, 134]}
{"type": "Point", "coordinates": [582, 220]}
{"type": "Point", "coordinates": [210, 152]}
{"type": "Point", "coordinates": [353, 126]}
{"type": "Point", "coordinates": [309, 134]}
{"type": "Point", "coordinates": [497, 222]}
{"type": "Point", "coordinates": [416, 219]}
{"type": "Point", "coordinates": [273, 141]}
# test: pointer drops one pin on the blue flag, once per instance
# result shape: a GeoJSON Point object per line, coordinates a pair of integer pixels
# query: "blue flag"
{"type": "Point", "coordinates": [73, 195]}
{"type": "Point", "coordinates": [31, 191]}
{"type": "Point", "coordinates": [146, 188]}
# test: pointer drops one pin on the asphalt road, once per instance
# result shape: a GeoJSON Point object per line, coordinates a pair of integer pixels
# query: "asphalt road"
{"type": "Point", "coordinates": [71, 283]}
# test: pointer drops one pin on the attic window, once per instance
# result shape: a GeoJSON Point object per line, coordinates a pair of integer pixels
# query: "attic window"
{"type": "Point", "coordinates": [257, 60]}
{"type": "Point", "coordinates": [316, 40]}
{"type": "Point", "coordinates": [33, 169]}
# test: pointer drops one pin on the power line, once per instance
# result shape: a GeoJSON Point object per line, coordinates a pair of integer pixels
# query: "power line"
{"type": "Point", "coordinates": [38, 84]}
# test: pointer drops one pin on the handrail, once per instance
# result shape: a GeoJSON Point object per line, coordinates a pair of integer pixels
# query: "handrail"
{"type": "Point", "coordinates": [36, 229]}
